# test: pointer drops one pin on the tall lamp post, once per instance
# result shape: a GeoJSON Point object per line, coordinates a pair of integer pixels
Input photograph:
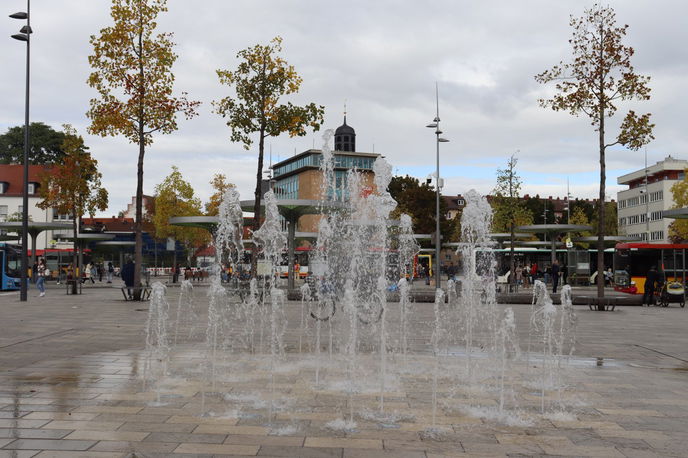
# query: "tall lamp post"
{"type": "Point", "coordinates": [435, 124]}
{"type": "Point", "coordinates": [25, 35]}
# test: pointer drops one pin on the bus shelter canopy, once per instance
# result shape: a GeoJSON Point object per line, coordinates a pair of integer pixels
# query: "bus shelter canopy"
{"type": "Point", "coordinates": [676, 213]}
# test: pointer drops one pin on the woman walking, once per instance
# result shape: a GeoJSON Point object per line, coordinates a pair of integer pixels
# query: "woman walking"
{"type": "Point", "coordinates": [40, 277]}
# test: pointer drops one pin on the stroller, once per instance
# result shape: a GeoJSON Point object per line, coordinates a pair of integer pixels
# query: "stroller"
{"type": "Point", "coordinates": [672, 292]}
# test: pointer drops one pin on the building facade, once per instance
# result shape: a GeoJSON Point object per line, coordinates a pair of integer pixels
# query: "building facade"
{"type": "Point", "coordinates": [640, 206]}
{"type": "Point", "coordinates": [300, 177]}
{"type": "Point", "coordinates": [11, 205]}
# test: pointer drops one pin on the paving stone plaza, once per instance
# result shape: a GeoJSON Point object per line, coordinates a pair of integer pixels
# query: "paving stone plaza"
{"type": "Point", "coordinates": [71, 386]}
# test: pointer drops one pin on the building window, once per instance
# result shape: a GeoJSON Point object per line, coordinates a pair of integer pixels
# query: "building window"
{"type": "Point", "coordinates": [654, 216]}
{"type": "Point", "coordinates": [288, 188]}
{"type": "Point", "coordinates": [657, 235]}
{"type": "Point", "coordinates": [32, 188]}
{"type": "Point", "coordinates": [3, 187]}
{"type": "Point", "coordinates": [3, 212]}
{"type": "Point", "coordinates": [656, 196]}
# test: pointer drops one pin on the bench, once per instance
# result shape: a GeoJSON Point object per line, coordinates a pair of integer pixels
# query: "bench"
{"type": "Point", "coordinates": [145, 292]}
{"type": "Point", "coordinates": [70, 286]}
{"type": "Point", "coordinates": [606, 304]}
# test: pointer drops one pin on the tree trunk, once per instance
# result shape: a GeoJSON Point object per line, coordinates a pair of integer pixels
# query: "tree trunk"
{"type": "Point", "coordinates": [257, 201]}
{"type": "Point", "coordinates": [600, 203]}
{"type": "Point", "coordinates": [138, 251]}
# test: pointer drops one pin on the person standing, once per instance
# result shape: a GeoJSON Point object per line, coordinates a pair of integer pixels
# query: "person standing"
{"type": "Point", "coordinates": [94, 272]}
{"type": "Point", "coordinates": [651, 279]}
{"type": "Point", "coordinates": [564, 273]}
{"type": "Point", "coordinates": [533, 272]}
{"type": "Point", "coordinates": [128, 276]}
{"type": "Point", "coordinates": [451, 272]}
{"type": "Point", "coordinates": [555, 275]}
{"type": "Point", "coordinates": [100, 272]}
{"type": "Point", "coordinates": [110, 272]}
{"type": "Point", "coordinates": [39, 274]}
{"type": "Point", "coordinates": [519, 275]}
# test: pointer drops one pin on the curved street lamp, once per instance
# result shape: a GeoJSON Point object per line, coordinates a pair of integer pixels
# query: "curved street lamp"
{"type": "Point", "coordinates": [25, 35]}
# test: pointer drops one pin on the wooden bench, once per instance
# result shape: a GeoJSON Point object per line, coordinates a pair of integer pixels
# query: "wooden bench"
{"type": "Point", "coordinates": [145, 292]}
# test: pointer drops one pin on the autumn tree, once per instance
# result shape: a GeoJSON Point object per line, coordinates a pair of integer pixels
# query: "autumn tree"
{"type": "Point", "coordinates": [598, 77]}
{"type": "Point", "coordinates": [418, 201]}
{"type": "Point", "coordinates": [611, 219]}
{"type": "Point", "coordinates": [220, 185]}
{"type": "Point", "coordinates": [260, 80]}
{"type": "Point", "coordinates": [678, 229]}
{"type": "Point", "coordinates": [45, 147]}
{"type": "Point", "coordinates": [132, 72]}
{"type": "Point", "coordinates": [175, 197]}
{"type": "Point", "coordinates": [578, 216]}
{"type": "Point", "coordinates": [509, 210]}
{"type": "Point", "coordinates": [74, 187]}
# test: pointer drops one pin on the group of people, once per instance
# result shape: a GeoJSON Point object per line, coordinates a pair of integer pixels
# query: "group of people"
{"type": "Point", "coordinates": [526, 275]}
{"type": "Point", "coordinates": [90, 272]}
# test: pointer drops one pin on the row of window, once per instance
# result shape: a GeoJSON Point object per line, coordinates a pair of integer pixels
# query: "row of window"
{"type": "Point", "coordinates": [288, 188]}
{"type": "Point", "coordinates": [56, 216]}
{"type": "Point", "coordinates": [641, 199]}
{"type": "Point", "coordinates": [641, 218]}
{"type": "Point", "coordinates": [642, 236]}
{"type": "Point", "coordinates": [340, 161]}
{"type": "Point", "coordinates": [656, 235]}
{"type": "Point", "coordinates": [4, 186]}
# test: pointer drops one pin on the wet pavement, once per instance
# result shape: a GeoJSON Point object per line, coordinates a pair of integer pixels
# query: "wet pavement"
{"type": "Point", "coordinates": [71, 385]}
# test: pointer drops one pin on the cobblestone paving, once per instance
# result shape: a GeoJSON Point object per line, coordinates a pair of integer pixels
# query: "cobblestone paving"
{"type": "Point", "coordinates": [70, 386]}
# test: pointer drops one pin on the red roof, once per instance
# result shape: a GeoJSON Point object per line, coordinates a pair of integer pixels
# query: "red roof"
{"type": "Point", "coordinates": [13, 177]}
{"type": "Point", "coordinates": [113, 224]}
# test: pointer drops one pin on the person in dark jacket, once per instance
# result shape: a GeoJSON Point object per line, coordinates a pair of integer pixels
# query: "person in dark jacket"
{"type": "Point", "coordinates": [128, 276]}
{"type": "Point", "coordinates": [555, 275]}
{"type": "Point", "coordinates": [651, 279]}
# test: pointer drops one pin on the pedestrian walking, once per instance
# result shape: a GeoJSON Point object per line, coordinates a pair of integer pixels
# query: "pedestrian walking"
{"type": "Point", "coordinates": [40, 274]}
{"type": "Point", "coordinates": [94, 272]}
{"type": "Point", "coordinates": [100, 272]}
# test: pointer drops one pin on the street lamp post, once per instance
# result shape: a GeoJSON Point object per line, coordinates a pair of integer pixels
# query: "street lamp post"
{"type": "Point", "coordinates": [25, 35]}
{"type": "Point", "coordinates": [435, 124]}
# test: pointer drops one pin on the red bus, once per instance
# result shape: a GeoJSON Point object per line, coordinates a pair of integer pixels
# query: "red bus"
{"type": "Point", "coordinates": [633, 260]}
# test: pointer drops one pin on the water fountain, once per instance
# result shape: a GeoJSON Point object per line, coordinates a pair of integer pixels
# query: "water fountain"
{"type": "Point", "coordinates": [380, 344]}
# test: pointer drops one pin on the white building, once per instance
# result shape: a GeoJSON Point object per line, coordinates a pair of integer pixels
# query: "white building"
{"type": "Point", "coordinates": [640, 206]}
{"type": "Point", "coordinates": [11, 192]}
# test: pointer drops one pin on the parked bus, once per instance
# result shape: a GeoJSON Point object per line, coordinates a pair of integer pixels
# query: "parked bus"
{"type": "Point", "coordinates": [633, 260]}
{"type": "Point", "coordinates": [10, 267]}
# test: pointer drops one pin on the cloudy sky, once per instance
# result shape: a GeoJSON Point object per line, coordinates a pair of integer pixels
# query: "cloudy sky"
{"type": "Point", "coordinates": [381, 57]}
